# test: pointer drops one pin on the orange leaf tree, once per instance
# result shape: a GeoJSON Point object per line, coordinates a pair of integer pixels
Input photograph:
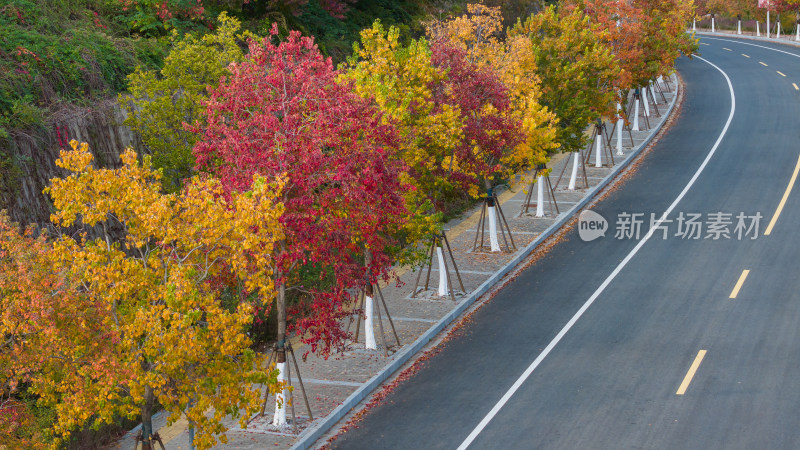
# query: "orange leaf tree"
{"type": "Point", "coordinates": [664, 36]}
{"type": "Point", "coordinates": [619, 24]}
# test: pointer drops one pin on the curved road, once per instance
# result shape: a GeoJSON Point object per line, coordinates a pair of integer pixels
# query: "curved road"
{"type": "Point", "coordinates": [638, 344]}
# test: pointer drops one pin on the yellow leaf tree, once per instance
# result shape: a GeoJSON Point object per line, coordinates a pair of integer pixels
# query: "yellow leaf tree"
{"type": "Point", "coordinates": [401, 80]}
{"type": "Point", "coordinates": [138, 319]}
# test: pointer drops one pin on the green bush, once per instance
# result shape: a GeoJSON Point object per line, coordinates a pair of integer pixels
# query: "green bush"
{"type": "Point", "coordinates": [63, 51]}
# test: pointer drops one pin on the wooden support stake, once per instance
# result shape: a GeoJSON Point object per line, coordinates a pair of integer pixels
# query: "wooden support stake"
{"type": "Point", "coordinates": [481, 230]}
{"type": "Point", "coordinates": [266, 392]}
{"type": "Point", "coordinates": [508, 229]}
{"type": "Point", "coordinates": [430, 265]}
{"type": "Point", "coordinates": [440, 240]}
{"type": "Point", "coordinates": [300, 380]}
{"type": "Point", "coordinates": [291, 397]}
{"type": "Point", "coordinates": [452, 258]}
{"type": "Point", "coordinates": [380, 325]}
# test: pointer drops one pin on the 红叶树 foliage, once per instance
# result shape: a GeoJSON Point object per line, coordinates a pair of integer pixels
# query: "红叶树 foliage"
{"type": "Point", "coordinates": [664, 36]}
{"type": "Point", "coordinates": [282, 113]}
{"type": "Point", "coordinates": [478, 34]}
{"type": "Point", "coordinates": [490, 130]}
{"type": "Point", "coordinates": [620, 26]}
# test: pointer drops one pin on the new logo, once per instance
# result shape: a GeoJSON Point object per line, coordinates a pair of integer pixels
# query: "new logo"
{"type": "Point", "coordinates": [591, 225]}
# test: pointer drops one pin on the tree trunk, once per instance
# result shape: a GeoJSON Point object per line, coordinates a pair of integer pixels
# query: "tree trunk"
{"type": "Point", "coordinates": [191, 426]}
{"type": "Point", "coordinates": [443, 287]}
{"type": "Point", "coordinates": [490, 211]}
{"type": "Point", "coordinates": [280, 399]}
{"type": "Point", "coordinates": [645, 101]}
{"type": "Point", "coordinates": [540, 196]}
{"type": "Point", "coordinates": [147, 418]}
{"type": "Point", "coordinates": [620, 126]}
{"type": "Point", "coordinates": [598, 151]}
{"type": "Point", "coordinates": [369, 327]}
{"type": "Point", "coordinates": [191, 435]}
{"type": "Point", "coordinates": [573, 178]}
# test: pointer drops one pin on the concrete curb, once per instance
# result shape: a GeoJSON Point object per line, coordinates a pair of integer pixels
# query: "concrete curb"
{"type": "Point", "coordinates": [308, 437]}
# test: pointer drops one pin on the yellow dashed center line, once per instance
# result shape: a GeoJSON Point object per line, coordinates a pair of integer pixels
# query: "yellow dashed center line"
{"type": "Point", "coordinates": [795, 87]}
{"type": "Point", "coordinates": [739, 283]}
{"type": "Point", "coordinates": [763, 64]}
{"type": "Point", "coordinates": [727, 49]}
{"type": "Point", "coordinates": [690, 374]}
{"type": "Point", "coordinates": [746, 56]}
{"type": "Point", "coordinates": [783, 200]}
{"type": "Point", "coordinates": [780, 73]}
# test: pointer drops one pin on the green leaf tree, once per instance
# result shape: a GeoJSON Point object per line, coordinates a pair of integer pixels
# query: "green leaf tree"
{"type": "Point", "coordinates": [576, 69]}
{"type": "Point", "coordinates": [160, 102]}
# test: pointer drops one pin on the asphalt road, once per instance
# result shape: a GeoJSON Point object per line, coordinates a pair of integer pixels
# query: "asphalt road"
{"type": "Point", "coordinates": [611, 381]}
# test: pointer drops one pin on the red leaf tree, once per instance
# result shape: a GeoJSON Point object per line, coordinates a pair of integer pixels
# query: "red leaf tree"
{"type": "Point", "coordinates": [490, 130]}
{"type": "Point", "coordinates": [282, 113]}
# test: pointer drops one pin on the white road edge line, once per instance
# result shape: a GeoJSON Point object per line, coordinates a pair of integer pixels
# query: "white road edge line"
{"type": "Point", "coordinates": [488, 418]}
{"type": "Point", "coordinates": [738, 41]}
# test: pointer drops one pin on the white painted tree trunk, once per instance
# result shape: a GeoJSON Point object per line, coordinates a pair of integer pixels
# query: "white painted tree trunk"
{"type": "Point", "coordinates": [369, 325]}
{"type": "Point", "coordinates": [797, 36]}
{"type": "Point", "coordinates": [493, 229]}
{"type": "Point", "coordinates": [540, 196]}
{"type": "Point", "coordinates": [598, 153]}
{"type": "Point", "coordinates": [758, 28]}
{"type": "Point", "coordinates": [694, 24]}
{"type": "Point", "coordinates": [280, 399]}
{"type": "Point", "coordinates": [712, 24]}
{"type": "Point", "coordinates": [574, 177]}
{"type": "Point", "coordinates": [653, 94]}
{"type": "Point", "coordinates": [778, 30]}
{"type": "Point", "coordinates": [636, 115]}
{"type": "Point", "coordinates": [739, 27]}
{"type": "Point", "coordinates": [443, 290]}
{"type": "Point", "coordinates": [620, 127]}
{"type": "Point", "coordinates": [645, 102]}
